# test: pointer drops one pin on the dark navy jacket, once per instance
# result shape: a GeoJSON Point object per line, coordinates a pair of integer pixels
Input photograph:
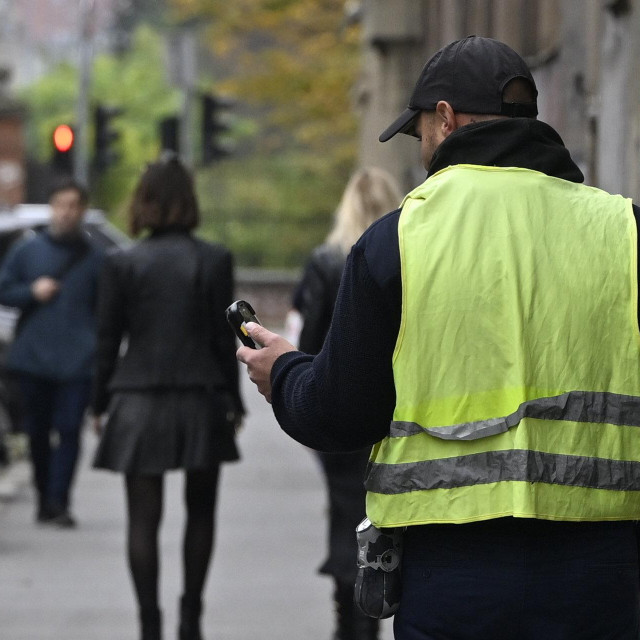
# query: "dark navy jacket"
{"type": "Point", "coordinates": [57, 340]}
{"type": "Point", "coordinates": [343, 399]}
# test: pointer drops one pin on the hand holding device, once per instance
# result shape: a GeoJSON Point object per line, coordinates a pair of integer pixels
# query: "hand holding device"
{"type": "Point", "coordinates": [378, 583]}
{"type": "Point", "coordinates": [238, 314]}
{"type": "Point", "coordinates": [259, 356]}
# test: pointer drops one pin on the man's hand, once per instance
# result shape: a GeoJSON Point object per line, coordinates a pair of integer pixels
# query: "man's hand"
{"type": "Point", "coordinates": [44, 289]}
{"type": "Point", "coordinates": [260, 361]}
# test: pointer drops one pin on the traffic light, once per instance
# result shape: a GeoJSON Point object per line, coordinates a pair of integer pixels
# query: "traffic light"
{"type": "Point", "coordinates": [63, 138]}
{"type": "Point", "coordinates": [106, 135]}
{"type": "Point", "coordinates": [215, 123]}
{"type": "Point", "coordinates": [170, 134]}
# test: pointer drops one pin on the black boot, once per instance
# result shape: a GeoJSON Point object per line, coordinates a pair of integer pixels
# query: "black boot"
{"type": "Point", "coordinates": [150, 624]}
{"type": "Point", "coordinates": [190, 611]}
{"type": "Point", "coordinates": [365, 628]}
{"type": "Point", "coordinates": [344, 608]}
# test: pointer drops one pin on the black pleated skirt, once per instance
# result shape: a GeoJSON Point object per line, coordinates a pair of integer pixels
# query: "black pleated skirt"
{"type": "Point", "coordinates": [150, 432]}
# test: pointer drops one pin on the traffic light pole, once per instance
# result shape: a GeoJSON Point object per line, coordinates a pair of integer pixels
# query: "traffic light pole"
{"type": "Point", "coordinates": [186, 144]}
{"type": "Point", "coordinates": [183, 72]}
{"type": "Point", "coordinates": [215, 126]}
{"type": "Point", "coordinates": [105, 136]}
{"type": "Point", "coordinates": [188, 58]}
{"type": "Point", "coordinates": [81, 155]}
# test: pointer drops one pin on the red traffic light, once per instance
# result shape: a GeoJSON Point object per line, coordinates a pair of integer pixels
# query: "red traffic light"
{"type": "Point", "coordinates": [63, 137]}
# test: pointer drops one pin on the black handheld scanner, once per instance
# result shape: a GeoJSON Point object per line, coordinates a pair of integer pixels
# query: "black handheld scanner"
{"type": "Point", "coordinates": [238, 314]}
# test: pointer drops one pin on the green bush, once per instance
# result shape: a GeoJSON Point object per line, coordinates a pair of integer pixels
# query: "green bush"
{"type": "Point", "coordinates": [270, 211]}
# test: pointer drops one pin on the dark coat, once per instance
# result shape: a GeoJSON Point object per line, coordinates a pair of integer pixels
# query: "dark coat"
{"type": "Point", "coordinates": [344, 472]}
{"type": "Point", "coordinates": [167, 297]}
{"type": "Point", "coordinates": [55, 340]}
{"type": "Point", "coordinates": [317, 295]}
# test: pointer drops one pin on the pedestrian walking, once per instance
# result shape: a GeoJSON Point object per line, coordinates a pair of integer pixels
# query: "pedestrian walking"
{"type": "Point", "coordinates": [370, 193]}
{"type": "Point", "coordinates": [172, 399]}
{"type": "Point", "coordinates": [485, 341]}
{"type": "Point", "coordinates": [52, 279]}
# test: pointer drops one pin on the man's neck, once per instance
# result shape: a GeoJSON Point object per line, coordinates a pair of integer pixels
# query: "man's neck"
{"type": "Point", "coordinates": [510, 142]}
{"type": "Point", "coordinates": [65, 235]}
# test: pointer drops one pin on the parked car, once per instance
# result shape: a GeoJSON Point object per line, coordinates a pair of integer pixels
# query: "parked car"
{"type": "Point", "coordinates": [16, 223]}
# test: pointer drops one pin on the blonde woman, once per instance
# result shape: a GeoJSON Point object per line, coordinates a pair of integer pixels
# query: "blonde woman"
{"type": "Point", "coordinates": [369, 194]}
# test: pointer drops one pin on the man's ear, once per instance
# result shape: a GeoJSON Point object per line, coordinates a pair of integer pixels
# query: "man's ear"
{"type": "Point", "coordinates": [446, 119]}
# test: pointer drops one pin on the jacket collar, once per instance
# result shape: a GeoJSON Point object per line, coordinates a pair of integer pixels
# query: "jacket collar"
{"type": "Point", "coordinates": [67, 240]}
{"type": "Point", "coordinates": [511, 142]}
{"type": "Point", "coordinates": [167, 231]}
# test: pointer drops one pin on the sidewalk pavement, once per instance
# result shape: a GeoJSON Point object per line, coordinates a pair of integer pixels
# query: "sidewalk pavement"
{"type": "Point", "coordinates": [73, 584]}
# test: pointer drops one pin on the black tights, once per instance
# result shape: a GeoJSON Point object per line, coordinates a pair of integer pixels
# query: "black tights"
{"type": "Point", "coordinates": [144, 504]}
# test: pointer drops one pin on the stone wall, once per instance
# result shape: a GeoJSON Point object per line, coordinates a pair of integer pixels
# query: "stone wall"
{"type": "Point", "coordinates": [585, 59]}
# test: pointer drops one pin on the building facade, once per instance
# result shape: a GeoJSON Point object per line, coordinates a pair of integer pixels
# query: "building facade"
{"type": "Point", "coordinates": [584, 55]}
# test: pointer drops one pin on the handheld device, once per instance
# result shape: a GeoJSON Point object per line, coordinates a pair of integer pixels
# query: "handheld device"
{"type": "Point", "coordinates": [238, 314]}
{"type": "Point", "coordinates": [378, 582]}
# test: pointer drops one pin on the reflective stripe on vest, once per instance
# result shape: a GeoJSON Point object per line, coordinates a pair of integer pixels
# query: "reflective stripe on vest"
{"type": "Point", "coordinates": [578, 406]}
{"type": "Point", "coordinates": [517, 366]}
{"type": "Point", "coordinates": [501, 466]}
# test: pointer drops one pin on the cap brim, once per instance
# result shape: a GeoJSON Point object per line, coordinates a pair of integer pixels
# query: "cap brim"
{"type": "Point", "coordinates": [402, 124]}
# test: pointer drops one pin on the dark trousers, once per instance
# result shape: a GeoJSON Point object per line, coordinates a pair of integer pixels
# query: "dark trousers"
{"type": "Point", "coordinates": [520, 579]}
{"type": "Point", "coordinates": [57, 407]}
{"type": "Point", "coordinates": [344, 475]}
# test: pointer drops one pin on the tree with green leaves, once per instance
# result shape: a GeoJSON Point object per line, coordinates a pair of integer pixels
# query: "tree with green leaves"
{"type": "Point", "coordinates": [293, 64]}
{"type": "Point", "coordinates": [297, 58]}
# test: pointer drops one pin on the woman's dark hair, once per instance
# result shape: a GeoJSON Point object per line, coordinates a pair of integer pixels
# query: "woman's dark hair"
{"type": "Point", "coordinates": [164, 198]}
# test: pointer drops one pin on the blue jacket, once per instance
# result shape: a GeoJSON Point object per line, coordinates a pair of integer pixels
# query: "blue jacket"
{"type": "Point", "coordinates": [55, 340]}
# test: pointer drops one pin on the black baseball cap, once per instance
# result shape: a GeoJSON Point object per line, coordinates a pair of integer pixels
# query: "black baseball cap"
{"type": "Point", "coordinates": [470, 74]}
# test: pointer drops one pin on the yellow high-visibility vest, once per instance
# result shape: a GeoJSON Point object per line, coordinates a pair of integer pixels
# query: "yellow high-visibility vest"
{"type": "Point", "coordinates": [517, 364]}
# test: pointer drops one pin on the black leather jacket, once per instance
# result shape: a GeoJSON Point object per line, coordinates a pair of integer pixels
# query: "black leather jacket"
{"type": "Point", "coordinates": [317, 295]}
{"type": "Point", "coordinates": [166, 297]}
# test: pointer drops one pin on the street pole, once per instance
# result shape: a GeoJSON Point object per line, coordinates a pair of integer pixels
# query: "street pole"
{"type": "Point", "coordinates": [81, 146]}
{"type": "Point", "coordinates": [182, 66]}
{"type": "Point", "coordinates": [188, 76]}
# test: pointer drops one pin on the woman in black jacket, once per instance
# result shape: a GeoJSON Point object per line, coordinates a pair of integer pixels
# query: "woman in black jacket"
{"type": "Point", "coordinates": [172, 397]}
{"type": "Point", "coordinates": [370, 193]}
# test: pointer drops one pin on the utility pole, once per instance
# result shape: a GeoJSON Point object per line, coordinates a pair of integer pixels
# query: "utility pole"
{"type": "Point", "coordinates": [183, 70]}
{"type": "Point", "coordinates": [87, 29]}
{"type": "Point", "coordinates": [189, 71]}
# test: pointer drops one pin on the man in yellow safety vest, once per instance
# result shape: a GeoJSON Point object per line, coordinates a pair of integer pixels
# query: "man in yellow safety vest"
{"type": "Point", "coordinates": [485, 342]}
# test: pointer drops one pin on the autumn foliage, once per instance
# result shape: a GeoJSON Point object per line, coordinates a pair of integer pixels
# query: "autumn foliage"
{"type": "Point", "coordinates": [296, 58]}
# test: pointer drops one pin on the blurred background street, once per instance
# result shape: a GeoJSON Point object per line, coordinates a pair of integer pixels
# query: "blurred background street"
{"type": "Point", "coordinates": [272, 105]}
{"type": "Point", "coordinates": [73, 584]}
